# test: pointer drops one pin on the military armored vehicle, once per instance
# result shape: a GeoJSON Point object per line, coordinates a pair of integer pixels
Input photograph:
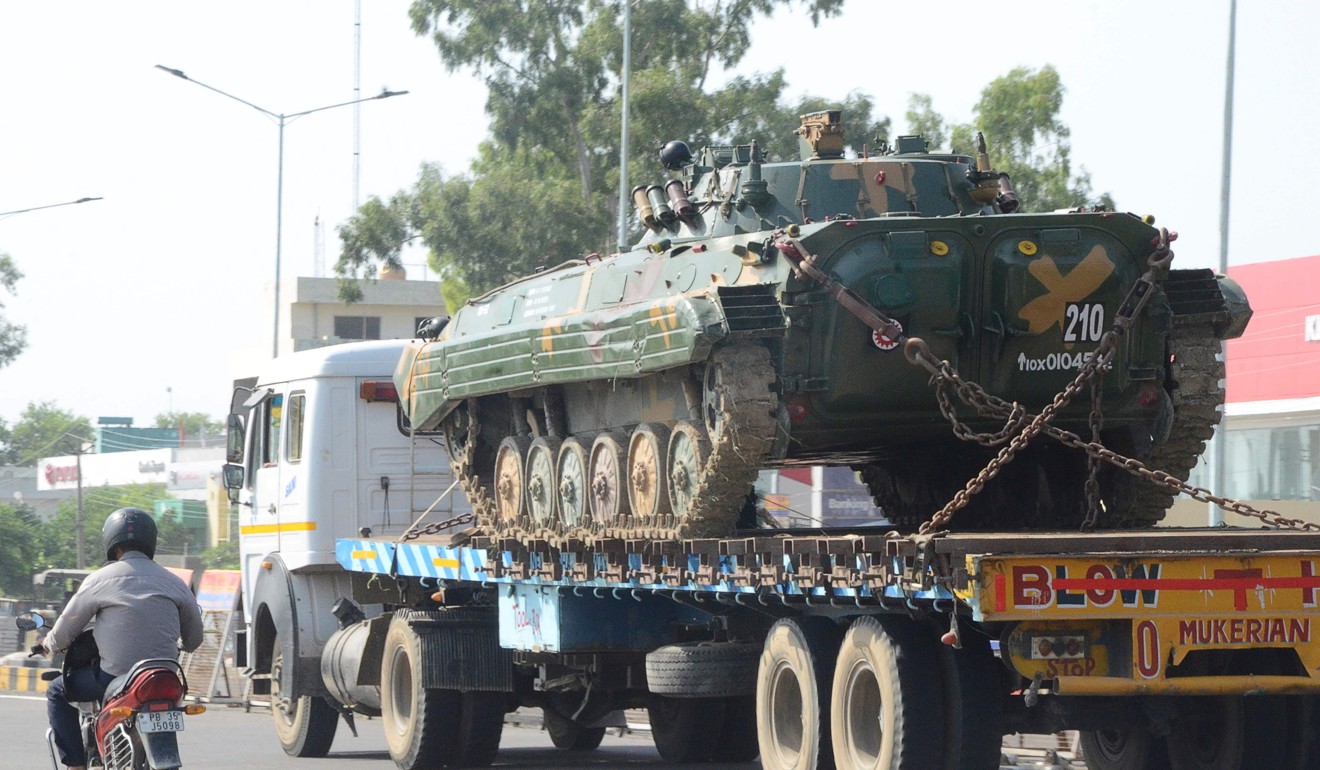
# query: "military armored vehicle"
{"type": "Point", "coordinates": [762, 320]}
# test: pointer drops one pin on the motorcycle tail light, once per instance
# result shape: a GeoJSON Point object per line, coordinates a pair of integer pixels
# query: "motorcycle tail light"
{"type": "Point", "coordinates": [159, 685]}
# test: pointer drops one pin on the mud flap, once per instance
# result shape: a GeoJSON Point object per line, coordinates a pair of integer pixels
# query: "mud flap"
{"type": "Point", "coordinates": [161, 749]}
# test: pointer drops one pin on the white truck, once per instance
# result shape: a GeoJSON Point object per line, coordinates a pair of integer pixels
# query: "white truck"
{"type": "Point", "coordinates": [317, 452]}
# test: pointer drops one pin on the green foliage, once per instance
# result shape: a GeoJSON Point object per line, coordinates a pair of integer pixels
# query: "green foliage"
{"type": "Point", "coordinates": [192, 423]}
{"type": "Point", "coordinates": [20, 536]}
{"type": "Point", "coordinates": [45, 430]}
{"type": "Point", "coordinates": [13, 338]}
{"type": "Point", "coordinates": [222, 556]}
{"type": "Point", "coordinates": [1019, 115]}
{"type": "Point", "coordinates": [544, 188]}
{"type": "Point", "coordinates": [59, 536]}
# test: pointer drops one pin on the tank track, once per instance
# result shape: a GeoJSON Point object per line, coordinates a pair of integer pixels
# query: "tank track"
{"type": "Point", "coordinates": [738, 424]}
{"type": "Point", "coordinates": [1193, 385]}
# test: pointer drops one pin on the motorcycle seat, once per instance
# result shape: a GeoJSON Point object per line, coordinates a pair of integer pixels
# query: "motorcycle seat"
{"type": "Point", "coordinates": [120, 683]}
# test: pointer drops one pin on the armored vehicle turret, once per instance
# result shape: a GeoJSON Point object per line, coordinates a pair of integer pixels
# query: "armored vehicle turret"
{"type": "Point", "coordinates": [765, 320]}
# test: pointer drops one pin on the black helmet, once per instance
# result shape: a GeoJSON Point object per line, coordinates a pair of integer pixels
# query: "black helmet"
{"type": "Point", "coordinates": [130, 528]}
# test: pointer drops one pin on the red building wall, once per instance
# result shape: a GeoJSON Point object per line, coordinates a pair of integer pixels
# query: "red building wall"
{"type": "Point", "coordinates": [1279, 355]}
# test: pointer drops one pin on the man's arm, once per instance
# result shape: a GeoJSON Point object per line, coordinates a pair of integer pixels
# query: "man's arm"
{"type": "Point", "coordinates": [76, 615]}
{"type": "Point", "coordinates": [190, 623]}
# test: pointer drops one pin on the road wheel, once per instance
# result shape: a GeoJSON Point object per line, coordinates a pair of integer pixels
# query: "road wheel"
{"type": "Point", "coordinates": [973, 703]}
{"type": "Point", "coordinates": [648, 473]}
{"type": "Point", "coordinates": [793, 694]}
{"type": "Point", "coordinates": [1208, 734]}
{"type": "Point", "coordinates": [420, 724]}
{"type": "Point", "coordinates": [1125, 748]}
{"type": "Point", "coordinates": [570, 735]}
{"type": "Point", "coordinates": [608, 478]}
{"type": "Point", "coordinates": [702, 669]}
{"type": "Point", "coordinates": [542, 482]}
{"type": "Point", "coordinates": [305, 726]}
{"type": "Point", "coordinates": [684, 729]}
{"type": "Point", "coordinates": [883, 712]}
{"type": "Point", "coordinates": [689, 451]}
{"type": "Point", "coordinates": [574, 510]}
{"type": "Point", "coordinates": [480, 725]}
{"type": "Point", "coordinates": [510, 480]}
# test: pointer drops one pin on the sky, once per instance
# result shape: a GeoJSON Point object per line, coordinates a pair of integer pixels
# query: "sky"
{"type": "Point", "coordinates": [154, 299]}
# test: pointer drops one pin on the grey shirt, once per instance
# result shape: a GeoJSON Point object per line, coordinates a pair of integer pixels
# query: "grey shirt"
{"type": "Point", "coordinates": [141, 609]}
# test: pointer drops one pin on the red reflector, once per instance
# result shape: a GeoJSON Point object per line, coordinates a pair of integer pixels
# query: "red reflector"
{"type": "Point", "coordinates": [375, 390]}
{"type": "Point", "coordinates": [797, 410]}
{"type": "Point", "coordinates": [1147, 396]}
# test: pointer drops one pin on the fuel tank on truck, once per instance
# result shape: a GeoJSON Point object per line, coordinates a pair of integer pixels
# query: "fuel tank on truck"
{"type": "Point", "coordinates": [764, 320]}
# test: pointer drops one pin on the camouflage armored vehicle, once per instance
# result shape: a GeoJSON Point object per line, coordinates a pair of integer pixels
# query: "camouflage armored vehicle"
{"type": "Point", "coordinates": [762, 321]}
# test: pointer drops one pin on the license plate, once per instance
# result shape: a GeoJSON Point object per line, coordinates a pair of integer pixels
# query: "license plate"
{"type": "Point", "coordinates": [160, 721]}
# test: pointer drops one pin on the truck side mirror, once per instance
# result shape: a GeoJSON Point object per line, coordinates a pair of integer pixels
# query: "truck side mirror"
{"type": "Point", "coordinates": [234, 441]}
{"type": "Point", "coordinates": [233, 478]}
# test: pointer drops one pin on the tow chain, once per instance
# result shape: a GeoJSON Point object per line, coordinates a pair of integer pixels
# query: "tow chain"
{"type": "Point", "coordinates": [1020, 426]}
{"type": "Point", "coordinates": [439, 526]}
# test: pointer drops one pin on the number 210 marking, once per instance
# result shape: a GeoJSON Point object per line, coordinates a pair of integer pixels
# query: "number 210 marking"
{"type": "Point", "coordinates": [1086, 322]}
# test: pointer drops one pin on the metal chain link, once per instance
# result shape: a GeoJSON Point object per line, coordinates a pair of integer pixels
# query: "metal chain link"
{"type": "Point", "coordinates": [439, 526]}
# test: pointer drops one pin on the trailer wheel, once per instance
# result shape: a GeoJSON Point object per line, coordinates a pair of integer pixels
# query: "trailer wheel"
{"type": "Point", "coordinates": [684, 729]}
{"type": "Point", "coordinates": [793, 694]}
{"type": "Point", "coordinates": [1208, 734]}
{"type": "Point", "coordinates": [884, 713]}
{"type": "Point", "coordinates": [1124, 749]}
{"type": "Point", "coordinates": [306, 725]}
{"type": "Point", "coordinates": [419, 723]}
{"type": "Point", "coordinates": [570, 735]}
{"type": "Point", "coordinates": [973, 704]}
{"type": "Point", "coordinates": [737, 732]}
{"type": "Point", "coordinates": [702, 669]}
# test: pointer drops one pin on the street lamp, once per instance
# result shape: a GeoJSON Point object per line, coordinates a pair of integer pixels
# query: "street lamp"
{"type": "Point", "coordinates": [282, 119]}
{"type": "Point", "coordinates": [47, 206]}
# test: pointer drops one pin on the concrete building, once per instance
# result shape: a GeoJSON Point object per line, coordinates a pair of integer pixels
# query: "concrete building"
{"type": "Point", "coordinates": [313, 315]}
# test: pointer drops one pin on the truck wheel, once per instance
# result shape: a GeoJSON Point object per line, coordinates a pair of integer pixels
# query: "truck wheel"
{"type": "Point", "coordinates": [480, 725]}
{"type": "Point", "coordinates": [684, 729]}
{"type": "Point", "coordinates": [1124, 749]}
{"type": "Point", "coordinates": [883, 712]}
{"type": "Point", "coordinates": [702, 669]}
{"type": "Point", "coordinates": [737, 732]}
{"type": "Point", "coordinates": [305, 726]}
{"type": "Point", "coordinates": [420, 723]}
{"type": "Point", "coordinates": [1208, 734]}
{"type": "Point", "coordinates": [793, 694]}
{"type": "Point", "coordinates": [570, 735]}
{"type": "Point", "coordinates": [974, 733]}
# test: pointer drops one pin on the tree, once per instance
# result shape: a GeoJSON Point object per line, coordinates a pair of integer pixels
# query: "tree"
{"type": "Point", "coordinates": [190, 423]}
{"type": "Point", "coordinates": [45, 430]}
{"type": "Point", "coordinates": [1019, 115]}
{"type": "Point", "coordinates": [19, 549]}
{"type": "Point", "coordinates": [544, 186]}
{"type": "Point", "coordinates": [59, 535]}
{"type": "Point", "coordinates": [13, 338]}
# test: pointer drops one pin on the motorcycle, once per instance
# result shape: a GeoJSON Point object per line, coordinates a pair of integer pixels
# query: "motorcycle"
{"type": "Point", "coordinates": [134, 725]}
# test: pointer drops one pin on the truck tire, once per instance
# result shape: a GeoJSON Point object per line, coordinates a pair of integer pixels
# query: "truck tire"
{"type": "Point", "coordinates": [480, 725]}
{"type": "Point", "coordinates": [684, 729]}
{"type": "Point", "coordinates": [306, 726]}
{"type": "Point", "coordinates": [1124, 748]}
{"type": "Point", "coordinates": [883, 678]}
{"type": "Point", "coordinates": [973, 703]}
{"type": "Point", "coordinates": [569, 735]}
{"type": "Point", "coordinates": [420, 723]}
{"type": "Point", "coordinates": [703, 669]}
{"type": "Point", "coordinates": [1209, 734]}
{"type": "Point", "coordinates": [793, 694]}
{"type": "Point", "coordinates": [737, 740]}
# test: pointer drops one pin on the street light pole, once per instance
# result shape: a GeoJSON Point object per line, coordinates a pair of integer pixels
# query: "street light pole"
{"type": "Point", "coordinates": [282, 119]}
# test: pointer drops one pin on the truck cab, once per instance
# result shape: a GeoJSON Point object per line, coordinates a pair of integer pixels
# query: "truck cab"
{"type": "Point", "coordinates": [318, 451]}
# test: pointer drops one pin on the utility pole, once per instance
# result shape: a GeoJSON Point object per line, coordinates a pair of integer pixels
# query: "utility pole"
{"type": "Point", "coordinates": [82, 550]}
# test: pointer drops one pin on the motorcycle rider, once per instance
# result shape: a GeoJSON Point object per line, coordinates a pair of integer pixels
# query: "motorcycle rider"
{"type": "Point", "coordinates": [141, 610]}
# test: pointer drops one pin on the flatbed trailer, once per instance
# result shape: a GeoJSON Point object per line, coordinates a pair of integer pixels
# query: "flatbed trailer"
{"type": "Point", "coordinates": [1196, 643]}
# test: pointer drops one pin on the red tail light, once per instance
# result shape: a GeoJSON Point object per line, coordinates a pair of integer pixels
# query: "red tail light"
{"type": "Point", "coordinates": [161, 684]}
